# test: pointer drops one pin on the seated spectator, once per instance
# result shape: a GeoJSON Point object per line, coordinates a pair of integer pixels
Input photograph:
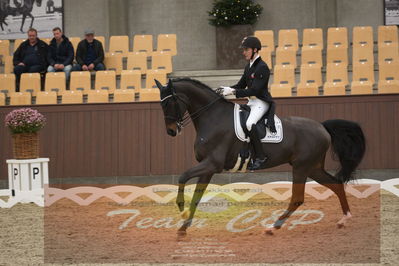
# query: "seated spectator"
{"type": "Point", "coordinates": [90, 54]}
{"type": "Point", "coordinates": [30, 57]}
{"type": "Point", "coordinates": [61, 54]}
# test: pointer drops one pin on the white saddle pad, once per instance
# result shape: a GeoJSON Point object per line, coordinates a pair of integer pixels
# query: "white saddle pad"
{"type": "Point", "coordinates": [269, 138]}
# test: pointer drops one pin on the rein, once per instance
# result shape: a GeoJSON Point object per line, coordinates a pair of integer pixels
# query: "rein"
{"type": "Point", "coordinates": [184, 120]}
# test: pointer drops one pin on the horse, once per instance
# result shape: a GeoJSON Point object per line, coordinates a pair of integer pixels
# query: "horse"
{"type": "Point", "coordinates": [26, 10]}
{"type": "Point", "coordinates": [216, 147]}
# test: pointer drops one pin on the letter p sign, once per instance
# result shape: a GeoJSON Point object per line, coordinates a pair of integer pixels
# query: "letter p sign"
{"type": "Point", "coordinates": [35, 172]}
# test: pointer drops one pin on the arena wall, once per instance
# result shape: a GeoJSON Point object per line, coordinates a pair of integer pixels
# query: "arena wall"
{"type": "Point", "coordinates": [189, 20]}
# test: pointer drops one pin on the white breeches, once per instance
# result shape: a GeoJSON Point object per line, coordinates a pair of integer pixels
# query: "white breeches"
{"type": "Point", "coordinates": [258, 109]}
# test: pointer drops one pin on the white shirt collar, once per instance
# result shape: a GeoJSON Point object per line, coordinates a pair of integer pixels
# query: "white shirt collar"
{"type": "Point", "coordinates": [251, 62]}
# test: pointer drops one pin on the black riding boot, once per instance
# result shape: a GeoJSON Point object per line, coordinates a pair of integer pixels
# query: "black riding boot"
{"type": "Point", "coordinates": [260, 156]}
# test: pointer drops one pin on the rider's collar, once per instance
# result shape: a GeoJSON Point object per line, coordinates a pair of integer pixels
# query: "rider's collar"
{"type": "Point", "coordinates": [251, 62]}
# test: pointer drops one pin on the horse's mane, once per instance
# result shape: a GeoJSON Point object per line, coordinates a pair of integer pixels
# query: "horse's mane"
{"type": "Point", "coordinates": [199, 83]}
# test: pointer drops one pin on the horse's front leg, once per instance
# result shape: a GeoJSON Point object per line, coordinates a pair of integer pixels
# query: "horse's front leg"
{"type": "Point", "coordinates": [200, 188]}
{"type": "Point", "coordinates": [33, 19]}
{"type": "Point", "coordinates": [22, 23]}
{"type": "Point", "coordinates": [204, 168]}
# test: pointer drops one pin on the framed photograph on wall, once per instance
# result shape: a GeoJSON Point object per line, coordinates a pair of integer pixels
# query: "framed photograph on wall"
{"type": "Point", "coordinates": [17, 16]}
{"type": "Point", "coordinates": [391, 10]}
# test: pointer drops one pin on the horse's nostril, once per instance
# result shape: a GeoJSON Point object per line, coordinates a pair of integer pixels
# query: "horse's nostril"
{"type": "Point", "coordinates": [171, 132]}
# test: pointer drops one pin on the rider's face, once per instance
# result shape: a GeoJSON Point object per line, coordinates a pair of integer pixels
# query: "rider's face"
{"type": "Point", "coordinates": [247, 52]}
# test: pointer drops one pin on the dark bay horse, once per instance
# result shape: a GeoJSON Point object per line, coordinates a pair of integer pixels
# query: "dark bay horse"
{"type": "Point", "coordinates": [216, 146]}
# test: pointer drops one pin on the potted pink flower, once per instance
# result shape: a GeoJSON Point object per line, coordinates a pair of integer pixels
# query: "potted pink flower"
{"type": "Point", "coordinates": [24, 125]}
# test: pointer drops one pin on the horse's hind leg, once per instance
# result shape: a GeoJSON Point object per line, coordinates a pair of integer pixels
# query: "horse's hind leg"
{"type": "Point", "coordinates": [33, 19]}
{"type": "Point", "coordinates": [297, 199]}
{"type": "Point", "coordinates": [327, 180]}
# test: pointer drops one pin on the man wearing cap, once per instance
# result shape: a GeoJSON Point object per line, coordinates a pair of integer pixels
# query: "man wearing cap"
{"type": "Point", "coordinates": [90, 54]}
{"type": "Point", "coordinates": [254, 85]}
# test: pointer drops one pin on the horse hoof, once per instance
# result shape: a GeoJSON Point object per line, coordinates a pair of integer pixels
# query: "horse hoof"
{"type": "Point", "coordinates": [270, 231]}
{"type": "Point", "coordinates": [181, 234]}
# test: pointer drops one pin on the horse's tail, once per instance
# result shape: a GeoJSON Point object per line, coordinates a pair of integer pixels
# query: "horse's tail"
{"type": "Point", "coordinates": [348, 143]}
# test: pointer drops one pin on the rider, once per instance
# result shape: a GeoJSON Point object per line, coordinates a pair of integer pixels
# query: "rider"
{"type": "Point", "coordinates": [254, 84]}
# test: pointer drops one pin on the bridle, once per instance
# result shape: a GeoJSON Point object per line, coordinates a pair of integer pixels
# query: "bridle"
{"type": "Point", "coordinates": [183, 120]}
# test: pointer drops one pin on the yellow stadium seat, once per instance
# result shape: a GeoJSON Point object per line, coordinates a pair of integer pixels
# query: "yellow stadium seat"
{"type": "Point", "coordinates": [131, 79]}
{"type": "Point", "coordinates": [75, 42]}
{"type": "Point", "coordinates": [150, 95]}
{"type": "Point", "coordinates": [46, 97]}
{"type": "Point", "coordinates": [363, 72]}
{"type": "Point", "coordinates": [17, 43]}
{"type": "Point", "coordinates": [105, 80]}
{"type": "Point", "coordinates": [102, 40]}
{"type": "Point", "coordinates": [337, 37]}
{"type": "Point", "coordinates": [2, 99]}
{"type": "Point", "coordinates": [288, 39]}
{"type": "Point", "coordinates": [97, 96]}
{"type": "Point", "coordinates": [30, 82]}
{"type": "Point", "coordinates": [387, 35]}
{"type": "Point", "coordinates": [337, 73]}
{"type": "Point", "coordinates": [20, 98]}
{"type": "Point", "coordinates": [363, 37]}
{"type": "Point", "coordinates": [55, 81]}
{"type": "Point", "coordinates": [307, 89]}
{"type": "Point", "coordinates": [334, 88]}
{"type": "Point", "coordinates": [143, 43]}
{"type": "Point", "coordinates": [311, 74]}
{"type": "Point", "coordinates": [69, 97]}
{"type": "Point", "coordinates": [7, 83]}
{"type": "Point", "coordinates": [167, 43]}
{"type": "Point", "coordinates": [281, 90]}
{"type": "Point", "coordinates": [363, 54]}
{"type": "Point", "coordinates": [47, 40]}
{"type": "Point", "coordinates": [284, 74]}
{"type": "Point", "coordinates": [388, 86]}
{"type": "Point", "coordinates": [311, 55]}
{"type": "Point", "coordinates": [388, 53]}
{"type": "Point", "coordinates": [114, 61]}
{"type": "Point", "coordinates": [313, 38]}
{"type": "Point", "coordinates": [286, 56]}
{"type": "Point", "coordinates": [337, 55]}
{"type": "Point", "coordinates": [389, 71]}
{"type": "Point", "coordinates": [152, 74]}
{"type": "Point", "coordinates": [162, 60]}
{"type": "Point", "coordinates": [8, 65]}
{"type": "Point", "coordinates": [336, 79]}
{"type": "Point", "coordinates": [119, 44]}
{"type": "Point", "coordinates": [80, 81]}
{"type": "Point", "coordinates": [137, 61]}
{"type": "Point", "coordinates": [266, 55]}
{"type": "Point", "coordinates": [266, 38]}
{"type": "Point", "coordinates": [124, 96]}
{"type": "Point", "coordinates": [4, 49]}
{"type": "Point", "coordinates": [361, 87]}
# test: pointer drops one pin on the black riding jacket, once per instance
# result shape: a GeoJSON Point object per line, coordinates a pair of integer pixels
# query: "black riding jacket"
{"type": "Point", "coordinates": [255, 79]}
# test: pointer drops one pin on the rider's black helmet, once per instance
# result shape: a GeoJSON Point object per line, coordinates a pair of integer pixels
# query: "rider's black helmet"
{"type": "Point", "coordinates": [251, 42]}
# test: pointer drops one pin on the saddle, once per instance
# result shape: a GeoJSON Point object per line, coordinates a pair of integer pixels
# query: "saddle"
{"type": "Point", "coordinates": [270, 129]}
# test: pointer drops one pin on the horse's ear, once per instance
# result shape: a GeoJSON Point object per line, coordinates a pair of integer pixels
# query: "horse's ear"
{"type": "Point", "coordinates": [159, 85]}
{"type": "Point", "coordinates": [170, 84]}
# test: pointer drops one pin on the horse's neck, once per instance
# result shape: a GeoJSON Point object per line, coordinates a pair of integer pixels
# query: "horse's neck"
{"type": "Point", "coordinates": [203, 104]}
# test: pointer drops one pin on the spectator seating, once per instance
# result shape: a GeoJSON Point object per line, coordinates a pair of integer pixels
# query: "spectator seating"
{"type": "Point", "coordinates": [363, 37]}
{"type": "Point", "coordinates": [284, 80]}
{"type": "Point", "coordinates": [17, 43]}
{"type": "Point", "coordinates": [20, 98]}
{"type": "Point", "coordinates": [119, 44]}
{"type": "Point", "coordinates": [286, 56]}
{"type": "Point", "coordinates": [7, 83]}
{"type": "Point", "coordinates": [310, 80]}
{"type": "Point", "coordinates": [105, 80]}
{"type": "Point", "coordinates": [124, 95]}
{"type": "Point", "coordinates": [288, 39]}
{"type": "Point", "coordinates": [143, 43]}
{"type": "Point", "coordinates": [2, 99]}
{"type": "Point", "coordinates": [313, 38]}
{"type": "Point", "coordinates": [72, 97]}
{"type": "Point", "coordinates": [4, 49]}
{"type": "Point", "coordinates": [162, 60]}
{"type": "Point", "coordinates": [152, 74]}
{"type": "Point", "coordinates": [337, 37]}
{"type": "Point", "coordinates": [131, 79]}
{"type": "Point", "coordinates": [46, 97]}
{"type": "Point", "coordinates": [266, 55]}
{"type": "Point", "coordinates": [266, 37]}
{"type": "Point", "coordinates": [55, 81]}
{"type": "Point", "coordinates": [75, 42]}
{"type": "Point", "coordinates": [336, 79]}
{"type": "Point", "coordinates": [8, 64]}
{"type": "Point", "coordinates": [137, 61]}
{"type": "Point", "coordinates": [114, 61]}
{"type": "Point", "coordinates": [97, 96]}
{"type": "Point", "coordinates": [30, 82]}
{"type": "Point", "coordinates": [80, 81]}
{"type": "Point", "coordinates": [167, 43]}
{"type": "Point", "coordinates": [150, 95]}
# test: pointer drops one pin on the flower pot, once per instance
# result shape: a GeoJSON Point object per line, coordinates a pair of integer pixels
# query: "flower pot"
{"type": "Point", "coordinates": [228, 40]}
{"type": "Point", "coordinates": [26, 145]}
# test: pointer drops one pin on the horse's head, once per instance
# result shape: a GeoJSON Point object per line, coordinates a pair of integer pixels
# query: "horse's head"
{"type": "Point", "coordinates": [173, 106]}
{"type": "Point", "coordinates": [39, 3]}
